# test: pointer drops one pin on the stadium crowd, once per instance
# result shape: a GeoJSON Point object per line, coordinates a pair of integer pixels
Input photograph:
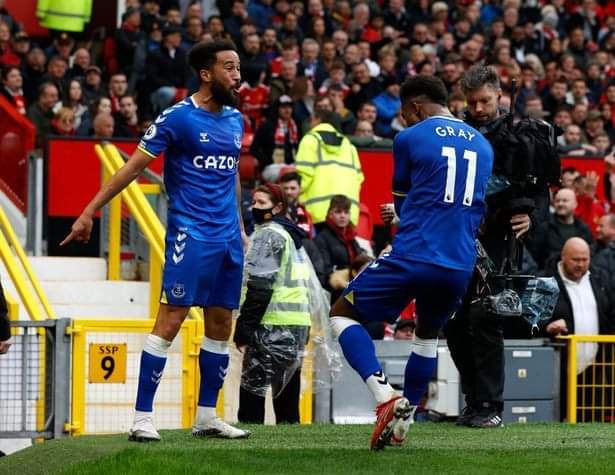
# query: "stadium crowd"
{"type": "Point", "coordinates": [336, 66]}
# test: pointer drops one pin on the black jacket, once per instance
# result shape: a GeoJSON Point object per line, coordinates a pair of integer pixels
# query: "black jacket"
{"type": "Point", "coordinates": [126, 43]}
{"type": "Point", "coordinates": [334, 255]}
{"type": "Point", "coordinates": [263, 145]}
{"type": "Point", "coordinates": [549, 238]}
{"type": "Point", "coordinates": [605, 301]}
{"type": "Point", "coordinates": [164, 70]}
{"type": "Point", "coordinates": [605, 261]}
{"type": "Point", "coordinates": [5, 330]}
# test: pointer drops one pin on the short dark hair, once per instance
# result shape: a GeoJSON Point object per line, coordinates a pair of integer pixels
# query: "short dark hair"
{"type": "Point", "coordinates": [129, 96]}
{"type": "Point", "coordinates": [44, 85]}
{"type": "Point", "coordinates": [340, 202]}
{"type": "Point", "coordinates": [6, 70]}
{"type": "Point", "coordinates": [478, 76]}
{"type": "Point", "coordinates": [364, 104]}
{"type": "Point", "coordinates": [203, 55]}
{"type": "Point", "coordinates": [328, 117]}
{"type": "Point", "coordinates": [429, 86]}
{"type": "Point", "coordinates": [290, 176]}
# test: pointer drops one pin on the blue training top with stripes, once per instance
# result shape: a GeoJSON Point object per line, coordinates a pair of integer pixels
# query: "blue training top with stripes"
{"type": "Point", "coordinates": [442, 165]}
{"type": "Point", "coordinates": [201, 162]}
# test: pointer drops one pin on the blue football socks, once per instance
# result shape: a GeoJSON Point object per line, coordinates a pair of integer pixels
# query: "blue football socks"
{"type": "Point", "coordinates": [213, 365]}
{"type": "Point", "coordinates": [420, 368]}
{"type": "Point", "coordinates": [153, 360]}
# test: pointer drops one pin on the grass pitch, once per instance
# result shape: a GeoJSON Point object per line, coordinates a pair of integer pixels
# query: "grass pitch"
{"type": "Point", "coordinates": [328, 449]}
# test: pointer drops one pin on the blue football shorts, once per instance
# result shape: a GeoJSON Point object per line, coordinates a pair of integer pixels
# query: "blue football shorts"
{"type": "Point", "coordinates": [202, 273]}
{"type": "Point", "coordinates": [384, 288]}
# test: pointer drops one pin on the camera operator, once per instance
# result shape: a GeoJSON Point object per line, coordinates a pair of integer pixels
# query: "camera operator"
{"type": "Point", "coordinates": [475, 336]}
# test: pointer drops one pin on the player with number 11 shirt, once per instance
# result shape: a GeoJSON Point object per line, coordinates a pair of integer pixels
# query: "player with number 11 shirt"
{"type": "Point", "coordinates": [442, 167]}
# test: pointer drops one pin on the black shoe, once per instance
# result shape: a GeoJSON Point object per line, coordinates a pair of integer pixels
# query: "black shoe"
{"type": "Point", "coordinates": [467, 414]}
{"type": "Point", "coordinates": [487, 419]}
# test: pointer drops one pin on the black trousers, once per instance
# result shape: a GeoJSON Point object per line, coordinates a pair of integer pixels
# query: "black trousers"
{"type": "Point", "coordinates": [476, 342]}
{"type": "Point", "coordinates": [285, 406]}
{"type": "Point", "coordinates": [5, 330]}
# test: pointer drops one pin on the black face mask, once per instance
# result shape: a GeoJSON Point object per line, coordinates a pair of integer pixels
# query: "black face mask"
{"type": "Point", "coordinates": [262, 215]}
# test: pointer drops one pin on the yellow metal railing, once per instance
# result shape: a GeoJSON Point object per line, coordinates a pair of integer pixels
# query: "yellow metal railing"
{"type": "Point", "coordinates": [36, 304]}
{"type": "Point", "coordinates": [590, 390]}
{"type": "Point", "coordinates": [98, 401]}
{"type": "Point", "coordinates": [147, 220]}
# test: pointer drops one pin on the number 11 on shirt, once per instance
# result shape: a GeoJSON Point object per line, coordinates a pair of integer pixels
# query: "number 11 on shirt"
{"type": "Point", "coordinates": [449, 193]}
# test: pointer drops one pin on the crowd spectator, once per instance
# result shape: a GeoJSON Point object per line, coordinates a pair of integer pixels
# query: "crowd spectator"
{"type": "Point", "coordinates": [63, 122]}
{"type": "Point", "coordinates": [291, 185]}
{"type": "Point", "coordinates": [94, 87]}
{"type": "Point", "coordinates": [100, 104]}
{"type": "Point", "coordinates": [103, 125]}
{"type": "Point", "coordinates": [387, 105]}
{"type": "Point", "coordinates": [74, 100]}
{"type": "Point", "coordinates": [338, 245]}
{"type": "Point", "coordinates": [328, 164]}
{"type": "Point", "coordinates": [279, 132]}
{"type": "Point", "coordinates": [550, 236]}
{"type": "Point", "coordinates": [12, 88]}
{"type": "Point", "coordinates": [41, 112]}
{"type": "Point", "coordinates": [128, 38]}
{"type": "Point", "coordinates": [605, 235]}
{"type": "Point", "coordinates": [81, 61]}
{"type": "Point", "coordinates": [167, 71]}
{"type": "Point", "coordinates": [589, 207]}
{"type": "Point", "coordinates": [127, 120]}
{"type": "Point", "coordinates": [118, 86]}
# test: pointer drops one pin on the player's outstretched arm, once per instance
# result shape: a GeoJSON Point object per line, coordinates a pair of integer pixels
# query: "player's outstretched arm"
{"type": "Point", "coordinates": [82, 227]}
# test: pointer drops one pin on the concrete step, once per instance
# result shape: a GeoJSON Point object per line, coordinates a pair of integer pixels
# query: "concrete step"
{"type": "Point", "coordinates": [102, 312]}
{"type": "Point", "coordinates": [101, 292]}
{"type": "Point", "coordinates": [69, 268]}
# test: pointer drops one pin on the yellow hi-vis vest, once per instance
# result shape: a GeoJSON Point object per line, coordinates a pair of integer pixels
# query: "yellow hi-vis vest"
{"type": "Point", "coordinates": [289, 303]}
{"type": "Point", "coordinates": [64, 15]}
{"type": "Point", "coordinates": [327, 170]}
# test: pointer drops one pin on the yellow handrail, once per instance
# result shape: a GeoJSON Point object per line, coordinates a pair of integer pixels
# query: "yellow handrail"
{"type": "Point", "coordinates": [147, 220]}
{"type": "Point", "coordinates": [572, 385]}
{"type": "Point", "coordinates": [9, 239]}
{"type": "Point", "coordinates": [13, 306]}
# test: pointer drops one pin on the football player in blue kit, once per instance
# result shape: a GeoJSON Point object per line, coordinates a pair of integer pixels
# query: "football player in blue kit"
{"type": "Point", "coordinates": [441, 169]}
{"type": "Point", "coordinates": [201, 137]}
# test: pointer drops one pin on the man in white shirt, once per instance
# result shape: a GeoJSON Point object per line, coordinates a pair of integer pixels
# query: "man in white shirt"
{"type": "Point", "coordinates": [585, 307]}
{"type": "Point", "coordinates": [573, 269]}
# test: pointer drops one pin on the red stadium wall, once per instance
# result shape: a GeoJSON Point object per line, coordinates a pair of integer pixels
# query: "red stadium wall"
{"type": "Point", "coordinates": [16, 140]}
{"type": "Point", "coordinates": [73, 176]}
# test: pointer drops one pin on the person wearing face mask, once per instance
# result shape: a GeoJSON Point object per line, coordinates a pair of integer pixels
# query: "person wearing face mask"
{"type": "Point", "coordinates": [274, 319]}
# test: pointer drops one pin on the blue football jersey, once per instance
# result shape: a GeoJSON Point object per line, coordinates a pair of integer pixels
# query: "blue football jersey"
{"type": "Point", "coordinates": [442, 165]}
{"type": "Point", "coordinates": [201, 162]}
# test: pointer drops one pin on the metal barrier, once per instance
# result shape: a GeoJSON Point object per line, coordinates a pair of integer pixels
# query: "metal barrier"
{"type": "Point", "coordinates": [590, 395]}
{"type": "Point", "coordinates": [35, 381]}
{"type": "Point", "coordinates": [106, 359]}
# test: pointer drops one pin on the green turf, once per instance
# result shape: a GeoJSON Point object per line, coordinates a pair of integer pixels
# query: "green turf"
{"type": "Point", "coordinates": [329, 449]}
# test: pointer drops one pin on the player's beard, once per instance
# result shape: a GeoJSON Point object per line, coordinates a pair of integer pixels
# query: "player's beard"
{"type": "Point", "coordinates": [222, 95]}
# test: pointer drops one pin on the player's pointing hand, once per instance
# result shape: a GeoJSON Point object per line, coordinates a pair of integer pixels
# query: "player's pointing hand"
{"type": "Point", "coordinates": [80, 231]}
